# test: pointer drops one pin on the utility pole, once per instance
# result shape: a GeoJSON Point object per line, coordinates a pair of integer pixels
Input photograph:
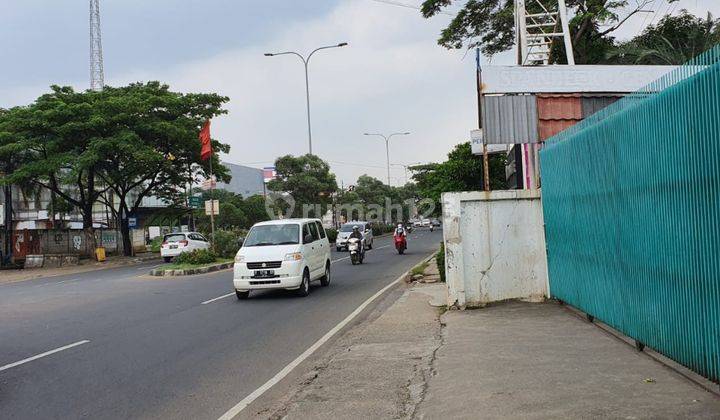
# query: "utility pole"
{"type": "Point", "coordinates": [306, 61]}
{"type": "Point", "coordinates": [387, 148]}
{"type": "Point", "coordinates": [97, 74]}
{"type": "Point", "coordinates": [478, 84]}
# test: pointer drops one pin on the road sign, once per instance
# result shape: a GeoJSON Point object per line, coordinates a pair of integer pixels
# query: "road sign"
{"type": "Point", "coordinates": [195, 202]}
{"type": "Point", "coordinates": [212, 207]}
{"type": "Point", "coordinates": [132, 222]}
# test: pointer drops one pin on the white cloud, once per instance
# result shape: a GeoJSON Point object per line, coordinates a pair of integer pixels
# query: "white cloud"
{"type": "Point", "coordinates": [392, 77]}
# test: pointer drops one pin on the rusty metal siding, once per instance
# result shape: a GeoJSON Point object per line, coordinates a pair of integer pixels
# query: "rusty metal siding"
{"type": "Point", "coordinates": [510, 119]}
{"type": "Point", "coordinates": [556, 113]}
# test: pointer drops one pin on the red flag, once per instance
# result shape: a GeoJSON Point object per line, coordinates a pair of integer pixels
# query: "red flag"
{"type": "Point", "coordinates": [206, 150]}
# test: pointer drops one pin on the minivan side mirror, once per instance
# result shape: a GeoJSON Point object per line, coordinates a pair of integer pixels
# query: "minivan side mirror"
{"type": "Point", "coordinates": [307, 239]}
{"type": "Point", "coordinates": [240, 241]}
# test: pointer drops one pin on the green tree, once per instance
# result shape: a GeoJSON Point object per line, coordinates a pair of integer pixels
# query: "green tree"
{"type": "Point", "coordinates": [674, 40]}
{"type": "Point", "coordinates": [308, 179]}
{"type": "Point", "coordinates": [490, 25]}
{"type": "Point", "coordinates": [462, 171]}
{"type": "Point", "coordinates": [150, 141]}
{"type": "Point", "coordinates": [45, 144]}
{"type": "Point", "coordinates": [135, 141]}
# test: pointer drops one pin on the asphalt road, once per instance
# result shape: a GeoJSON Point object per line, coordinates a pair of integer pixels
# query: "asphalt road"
{"type": "Point", "coordinates": [154, 350]}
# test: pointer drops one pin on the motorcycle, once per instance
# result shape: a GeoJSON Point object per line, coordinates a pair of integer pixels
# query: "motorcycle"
{"type": "Point", "coordinates": [356, 253]}
{"type": "Point", "coordinates": [400, 243]}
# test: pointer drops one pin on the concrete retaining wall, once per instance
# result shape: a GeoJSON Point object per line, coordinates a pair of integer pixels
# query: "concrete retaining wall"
{"type": "Point", "coordinates": [494, 247]}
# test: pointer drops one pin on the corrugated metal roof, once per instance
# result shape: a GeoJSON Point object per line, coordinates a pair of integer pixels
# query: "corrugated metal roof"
{"type": "Point", "coordinates": [549, 128]}
{"type": "Point", "coordinates": [510, 119]}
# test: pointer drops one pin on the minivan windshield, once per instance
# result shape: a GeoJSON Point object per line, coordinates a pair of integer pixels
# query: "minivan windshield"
{"type": "Point", "coordinates": [265, 235]}
{"type": "Point", "coordinates": [347, 227]}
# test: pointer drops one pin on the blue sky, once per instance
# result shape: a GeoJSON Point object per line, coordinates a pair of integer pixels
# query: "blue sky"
{"type": "Point", "coordinates": [392, 77]}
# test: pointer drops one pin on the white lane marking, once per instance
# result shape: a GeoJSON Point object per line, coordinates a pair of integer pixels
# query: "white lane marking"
{"type": "Point", "coordinates": [217, 298]}
{"type": "Point", "coordinates": [47, 353]}
{"type": "Point", "coordinates": [234, 411]}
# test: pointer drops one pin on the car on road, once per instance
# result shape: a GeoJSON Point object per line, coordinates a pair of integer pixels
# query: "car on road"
{"type": "Point", "coordinates": [346, 230]}
{"type": "Point", "coordinates": [282, 254]}
{"type": "Point", "coordinates": [417, 223]}
{"type": "Point", "coordinates": [435, 222]}
{"type": "Point", "coordinates": [425, 222]}
{"type": "Point", "coordinates": [174, 244]}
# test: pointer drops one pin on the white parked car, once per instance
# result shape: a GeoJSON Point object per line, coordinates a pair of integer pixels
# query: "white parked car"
{"type": "Point", "coordinates": [175, 244]}
{"type": "Point", "coordinates": [282, 254]}
{"type": "Point", "coordinates": [425, 222]}
{"type": "Point", "coordinates": [346, 230]}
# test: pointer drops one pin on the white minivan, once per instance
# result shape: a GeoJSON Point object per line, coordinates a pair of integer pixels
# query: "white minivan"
{"type": "Point", "coordinates": [282, 254]}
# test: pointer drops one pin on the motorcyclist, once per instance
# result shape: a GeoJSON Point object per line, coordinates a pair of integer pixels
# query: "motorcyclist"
{"type": "Point", "coordinates": [400, 230]}
{"type": "Point", "coordinates": [357, 234]}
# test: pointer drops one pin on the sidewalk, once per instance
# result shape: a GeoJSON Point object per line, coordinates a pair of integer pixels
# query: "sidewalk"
{"type": "Point", "coordinates": [86, 265]}
{"type": "Point", "coordinates": [512, 360]}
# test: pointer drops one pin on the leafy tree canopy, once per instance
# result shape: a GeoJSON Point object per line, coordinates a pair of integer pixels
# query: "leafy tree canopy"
{"type": "Point", "coordinates": [307, 178]}
{"type": "Point", "coordinates": [673, 40]}
{"type": "Point", "coordinates": [490, 25]}
{"type": "Point", "coordinates": [462, 171]}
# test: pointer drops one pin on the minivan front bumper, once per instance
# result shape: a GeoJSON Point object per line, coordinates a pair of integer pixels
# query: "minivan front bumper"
{"type": "Point", "coordinates": [288, 276]}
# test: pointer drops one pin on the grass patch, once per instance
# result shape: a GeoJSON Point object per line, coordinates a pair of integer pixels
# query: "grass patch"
{"type": "Point", "coordinates": [419, 269]}
{"type": "Point", "coordinates": [185, 266]}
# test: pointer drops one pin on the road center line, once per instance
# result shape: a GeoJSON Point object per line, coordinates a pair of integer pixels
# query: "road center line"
{"type": "Point", "coordinates": [47, 353]}
{"type": "Point", "coordinates": [235, 410]}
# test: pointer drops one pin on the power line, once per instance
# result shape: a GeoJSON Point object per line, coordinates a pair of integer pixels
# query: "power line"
{"type": "Point", "coordinates": [408, 6]}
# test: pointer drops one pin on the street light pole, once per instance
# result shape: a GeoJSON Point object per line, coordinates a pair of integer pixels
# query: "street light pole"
{"type": "Point", "coordinates": [305, 61]}
{"type": "Point", "coordinates": [387, 148]}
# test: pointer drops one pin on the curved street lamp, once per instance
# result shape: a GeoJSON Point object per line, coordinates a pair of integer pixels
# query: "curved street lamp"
{"type": "Point", "coordinates": [387, 147]}
{"type": "Point", "coordinates": [305, 61]}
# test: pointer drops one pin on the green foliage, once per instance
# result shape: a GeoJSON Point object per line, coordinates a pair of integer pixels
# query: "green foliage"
{"type": "Point", "coordinates": [331, 234]}
{"type": "Point", "coordinates": [440, 260]}
{"type": "Point", "coordinates": [155, 244]}
{"type": "Point", "coordinates": [196, 257]}
{"type": "Point", "coordinates": [307, 178]}
{"type": "Point", "coordinates": [674, 40]}
{"type": "Point", "coordinates": [236, 212]}
{"type": "Point", "coordinates": [462, 171]}
{"type": "Point", "coordinates": [490, 25]}
{"type": "Point", "coordinates": [136, 141]}
{"type": "Point", "coordinates": [226, 243]}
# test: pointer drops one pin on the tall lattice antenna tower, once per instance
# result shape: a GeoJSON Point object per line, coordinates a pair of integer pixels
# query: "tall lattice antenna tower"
{"type": "Point", "coordinates": [538, 24]}
{"type": "Point", "coordinates": [97, 74]}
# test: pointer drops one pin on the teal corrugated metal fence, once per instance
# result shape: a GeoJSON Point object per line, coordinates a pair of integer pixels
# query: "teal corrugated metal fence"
{"type": "Point", "coordinates": [631, 198]}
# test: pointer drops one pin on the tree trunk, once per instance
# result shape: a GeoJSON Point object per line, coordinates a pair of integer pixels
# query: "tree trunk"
{"type": "Point", "coordinates": [126, 239]}
{"type": "Point", "coordinates": [7, 246]}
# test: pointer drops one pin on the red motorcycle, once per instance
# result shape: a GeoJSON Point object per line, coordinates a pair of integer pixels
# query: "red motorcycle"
{"type": "Point", "coordinates": [400, 243]}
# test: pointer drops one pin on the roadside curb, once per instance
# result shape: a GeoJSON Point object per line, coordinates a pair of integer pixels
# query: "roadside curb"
{"type": "Point", "coordinates": [190, 271]}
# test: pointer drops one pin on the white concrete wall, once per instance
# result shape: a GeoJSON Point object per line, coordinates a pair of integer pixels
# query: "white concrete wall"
{"type": "Point", "coordinates": [494, 247]}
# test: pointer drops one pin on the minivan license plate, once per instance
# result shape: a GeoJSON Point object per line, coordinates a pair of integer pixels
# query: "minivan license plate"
{"type": "Point", "coordinates": [264, 273]}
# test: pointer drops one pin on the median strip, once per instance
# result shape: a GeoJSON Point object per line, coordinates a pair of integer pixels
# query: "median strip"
{"type": "Point", "coordinates": [190, 271]}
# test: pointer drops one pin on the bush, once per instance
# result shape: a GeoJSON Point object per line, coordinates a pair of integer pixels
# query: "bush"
{"type": "Point", "coordinates": [440, 260]}
{"type": "Point", "coordinates": [196, 257]}
{"type": "Point", "coordinates": [155, 244]}
{"type": "Point", "coordinates": [331, 234]}
{"type": "Point", "coordinates": [226, 243]}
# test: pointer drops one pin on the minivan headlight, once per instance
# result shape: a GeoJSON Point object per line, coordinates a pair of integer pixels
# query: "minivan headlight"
{"type": "Point", "coordinates": [239, 258]}
{"type": "Point", "coordinates": [293, 256]}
